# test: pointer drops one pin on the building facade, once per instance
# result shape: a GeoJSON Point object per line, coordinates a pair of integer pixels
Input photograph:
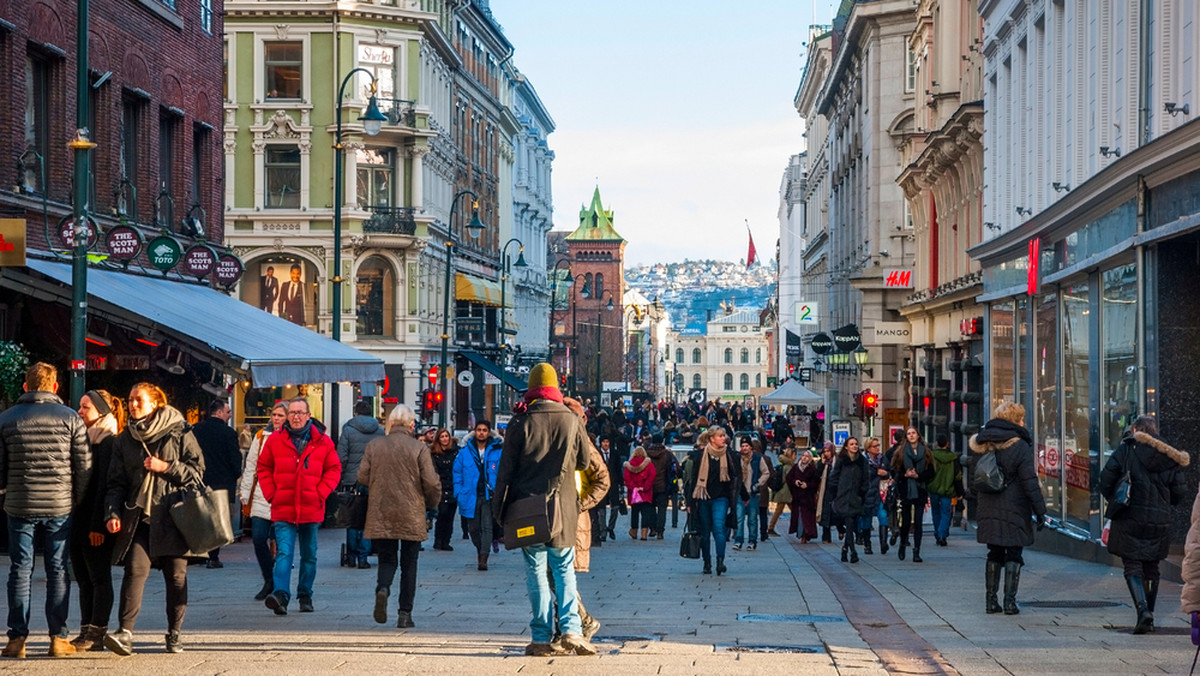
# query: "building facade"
{"type": "Point", "coordinates": [1090, 180]}
{"type": "Point", "coordinates": [729, 360]}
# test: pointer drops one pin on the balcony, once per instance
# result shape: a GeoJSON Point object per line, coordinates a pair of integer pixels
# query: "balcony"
{"type": "Point", "coordinates": [390, 221]}
{"type": "Point", "coordinates": [399, 112]}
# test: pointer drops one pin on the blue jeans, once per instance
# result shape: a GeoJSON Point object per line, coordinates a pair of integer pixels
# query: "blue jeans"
{"type": "Point", "coordinates": [357, 546]}
{"type": "Point", "coordinates": [940, 509]}
{"type": "Point", "coordinates": [286, 535]}
{"type": "Point", "coordinates": [561, 562]}
{"type": "Point", "coordinates": [747, 520]}
{"type": "Point", "coordinates": [260, 533]}
{"type": "Point", "coordinates": [712, 522]}
{"type": "Point", "coordinates": [58, 589]}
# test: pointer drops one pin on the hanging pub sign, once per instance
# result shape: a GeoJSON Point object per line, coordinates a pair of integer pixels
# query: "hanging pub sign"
{"type": "Point", "coordinates": [228, 270]}
{"type": "Point", "coordinates": [66, 232]}
{"type": "Point", "coordinates": [847, 338]}
{"type": "Point", "coordinates": [822, 343]}
{"type": "Point", "coordinates": [123, 243]}
{"type": "Point", "coordinates": [199, 260]}
{"type": "Point", "coordinates": [164, 252]}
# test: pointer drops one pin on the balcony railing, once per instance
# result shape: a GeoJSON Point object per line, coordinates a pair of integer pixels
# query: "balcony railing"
{"type": "Point", "coordinates": [399, 112]}
{"type": "Point", "coordinates": [390, 221]}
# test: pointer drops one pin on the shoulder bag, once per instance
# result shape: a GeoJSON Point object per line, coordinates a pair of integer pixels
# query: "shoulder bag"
{"type": "Point", "coordinates": [1123, 494]}
{"type": "Point", "coordinates": [689, 544]}
{"type": "Point", "coordinates": [201, 515]}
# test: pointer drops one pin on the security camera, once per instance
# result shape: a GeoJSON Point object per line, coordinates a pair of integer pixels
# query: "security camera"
{"type": "Point", "coordinates": [884, 253]}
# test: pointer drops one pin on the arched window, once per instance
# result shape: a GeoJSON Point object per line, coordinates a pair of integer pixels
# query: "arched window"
{"type": "Point", "coordinates": [758, 380]}
{"type": "Point", "coordinates": [729, 355]}
{"type": "Point", "coordinates": [374, 298]}
{"type": "Point", "coordinates": [679, 355]}
{"type": "Point", "coordinates": [728, 382]}
{"type": "Point", "coordinates": [758, 356]}
{"type": "Point", "coordinates": [745, 355]}
{"type": "Point", "coordinates": [744, 382]}
{"type": "Point", "coordinates": [587, 284]}
{"type": "Point", "coordinates": [696, 358]}
{"type": "Point", "coordinates": [599, 286]}
{"type": "Point", "coordinates": [696, 381]}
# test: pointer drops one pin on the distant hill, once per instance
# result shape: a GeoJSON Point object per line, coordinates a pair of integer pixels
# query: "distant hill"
{"type": "Point", "coordinates": [691, 290]}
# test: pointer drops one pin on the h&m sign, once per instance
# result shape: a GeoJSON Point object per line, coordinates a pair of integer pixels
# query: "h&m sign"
{"type": "Point", "coordinates": [897, 278]}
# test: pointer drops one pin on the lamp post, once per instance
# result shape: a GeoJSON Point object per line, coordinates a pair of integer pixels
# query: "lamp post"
{"type": "Point", "coordinates": [568, 282]}
{"type": "Point", "coordinates": [474, 226]}
{"type": "Point", "coordinates": [81, 147]}
{"type": "Point", "coordinates": [505, 269]}
{"type": "Point", "coordinates": [372, 121]}
{"type": "Point", "coordinates": [600, 307]}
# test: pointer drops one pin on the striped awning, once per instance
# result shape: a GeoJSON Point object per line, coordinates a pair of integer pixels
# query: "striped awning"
{"type": "Point", "coordinates": [476, 290]}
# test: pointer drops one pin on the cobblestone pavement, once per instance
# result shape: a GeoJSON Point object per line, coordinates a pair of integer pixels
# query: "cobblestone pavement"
{"type": "Point", "coordinates": [784, 606]}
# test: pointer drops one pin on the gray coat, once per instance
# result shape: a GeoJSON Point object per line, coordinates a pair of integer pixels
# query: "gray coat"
{"type": "Point", "coordinates": [45, 460]}
{"type": "Point", "coordinates": [1006, 518]}
{"type": "Point", "coordinates": [356, 434]}
{"type": "Point", "coordinates": [543, 447]}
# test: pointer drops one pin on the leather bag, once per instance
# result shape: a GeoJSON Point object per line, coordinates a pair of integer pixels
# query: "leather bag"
{"type": "Point", "coordinates": [689, 544]}
{"type": "Point", "coordinates": [201, 515]}
{"type": "Point", "coordinates": [346, 508]}
{"type": "Point", "coordinates": [533, 520]}
{"type": "Point", "coordinates": [1122, 494]}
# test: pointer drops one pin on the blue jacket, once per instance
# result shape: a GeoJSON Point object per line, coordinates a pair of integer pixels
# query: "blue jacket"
{"type": "Point", "coordinates": [466, 474]}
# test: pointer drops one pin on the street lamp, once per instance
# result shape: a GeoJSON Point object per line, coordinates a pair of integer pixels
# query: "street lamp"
{"type": "Point", "coordinates": [600, 307]}
{"type": "Point", "coordinates": [475, 226]}
{"type": "Point", "coordinates": [567, 282]}
{"type": "Point", "coordinates": [81, 148]}
{"type": "Point", "coordinates": [505, 269]}
{"type": "Point", "coordinates": [372, 121]}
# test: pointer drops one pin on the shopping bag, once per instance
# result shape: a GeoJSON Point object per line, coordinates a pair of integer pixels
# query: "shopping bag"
{"type": "Point", "coordinates": [201, 515]}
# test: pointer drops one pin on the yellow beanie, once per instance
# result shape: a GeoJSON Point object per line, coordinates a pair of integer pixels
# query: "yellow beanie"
{"type": "Point", "coordinates": [542, 375]}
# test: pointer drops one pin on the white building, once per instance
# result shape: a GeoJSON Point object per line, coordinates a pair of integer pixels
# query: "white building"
{"type": "Point", "coordinates": [728, 360]}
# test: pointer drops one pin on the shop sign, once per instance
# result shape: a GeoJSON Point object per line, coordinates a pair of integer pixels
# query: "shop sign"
{"type": "Point", "coordinates": [891, 333]}
{"type": "Point", "coordinates": [847, 338]}
{"type": "Point", "coordinates": [165, 252]}
{"type": "Point", "coordinates": [89, 230]}
{"type": "Point", "coordinates": [199, 260]}
{"type": "Point", "coordinates": [971, 327]}
{"type": "Point", "coordinates": [228, 270]}
{"type": "Point", "coordinates": [806, 312]}
{"type": "Point", "coordinates": [131, 362]}
{"type": "Point", "coordinates": [898, 278]}
{"type": "Point", "coordinates": [12, 241]}
{"type": "Point", "coordinates": [821, 343]}
{"type": "Point", "coordinates": [123, 242]}
{"type": "Point", "coordinates": [1035, 252]}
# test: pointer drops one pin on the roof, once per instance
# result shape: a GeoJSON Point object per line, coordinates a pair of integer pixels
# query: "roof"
{"type": "Point", "coordinates": [749, 316]}
{"type": "Point", "coordinates": [595, 223]}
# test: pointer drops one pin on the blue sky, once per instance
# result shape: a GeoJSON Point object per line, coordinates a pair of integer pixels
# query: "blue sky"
{"type": "Point", "coordinates": [679, 110]}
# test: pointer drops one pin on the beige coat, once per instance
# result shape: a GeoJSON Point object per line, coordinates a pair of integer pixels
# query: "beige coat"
{"type": "Point", "coordinates": [1190, 597]}
{"type": "Point", "coordinates": [401, 486]}
{"type": "Point", "coordinates": [593, 484]}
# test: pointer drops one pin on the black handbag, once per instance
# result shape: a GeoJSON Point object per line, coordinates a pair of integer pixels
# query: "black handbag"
{"type": "Point", "coordinates": [346, 508]}
{"type": "Point", "coordinates": [689, 544]}
{"type": "Point", "coordinates": [201, 515]}
{"type": "Point", "coordinates": [531, 521]}
{"type": "Point", "coordinates": [1122, 494]}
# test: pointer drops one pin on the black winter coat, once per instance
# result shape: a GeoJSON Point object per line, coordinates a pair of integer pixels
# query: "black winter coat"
{"type": "Point", "coordinates": [729, 490]}
{"type": "Point", "coordinates": [443, 464]}
{"type": "Point", "coordinates": [90, 514]}
{"type": "Point", "coordinates": [1006, 518]}
{"type": "Point", "coordinates": [222, 456]}
{"type": "Point", "coordinates": [1157, 483]}
{"type": "Point", "coordinates": [661, 458]}
{"type": "Point", "coordinates": [850, 482]}
{"type": "Point", "coordinates": [45, 461]}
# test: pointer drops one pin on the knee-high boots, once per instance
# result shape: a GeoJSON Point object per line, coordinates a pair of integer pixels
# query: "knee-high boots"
{"type": "Point", "coordinates": [992, 585]}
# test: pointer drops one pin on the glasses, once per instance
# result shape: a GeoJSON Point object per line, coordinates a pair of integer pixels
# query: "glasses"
{"type": "Point", "coordinates": [297, 414]}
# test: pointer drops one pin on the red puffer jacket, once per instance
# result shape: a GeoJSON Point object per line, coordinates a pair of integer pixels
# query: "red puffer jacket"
{"type": "Point", "coordinates": [295, 484]}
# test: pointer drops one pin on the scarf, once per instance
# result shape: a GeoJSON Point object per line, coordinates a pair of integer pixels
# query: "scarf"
{"type": "Point", "coordinates": [103, 428]}
{"type": "Point", "coordinates": [547, 392]}
{"type": "Point", "coordinates": [301, 437]}
{"type": "Point", "coordinates": [747, 471]}
{"type": "Point", "coordinates": [701, 490]}
{"type": "Point", "coordinates": [913, 460]}
{"type": "Point", "coordinates": [160, 422]}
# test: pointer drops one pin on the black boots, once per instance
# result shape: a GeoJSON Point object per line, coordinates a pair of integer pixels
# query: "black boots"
{"type": "Point", "coordinates": [992, 584]}
{"type": "Point", "coordinates": [1012, 580]}
{"type": "Point", "coordinates": [721, 565]}
{"type": "Point", "coordinates": [866, 541]}
{"type": "Point", "coordinates": [1137, 589]}
{"type": "Point", "coordinates": [848, 548]}
{"type": "Point", "coordinates": [883, 540]}
{"type": "Point", "coordinates": [903, 546]}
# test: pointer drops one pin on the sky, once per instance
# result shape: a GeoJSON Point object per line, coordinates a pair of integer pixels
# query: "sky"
{"type": "Point", "coordinates": [680, 111]}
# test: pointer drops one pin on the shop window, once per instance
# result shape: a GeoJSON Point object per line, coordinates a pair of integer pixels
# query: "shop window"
{"type": "Point", "coordinates": [1047, 431]}
{"type": "Point", "coordinates": [696, 357]}
{"type": "Point", "coordinates": [729, 355]}
{"type": "Point", "coordinates": [283, 64]}
{"type": "Point", "coordinates": [1002, 361]}
{"type": "Point", "coordinates": [745, 355]}
{"type": "Point", "coordinates": [283, 177]}
{"type": "Point", "coordinates": [1118, 357]}
{"type": "Point", "coordinates": [281, 286]}
{"type": "Point", "coordinates": [728, 382]}
{"type": "Point", "coordinates": [696, 381]}
{"type": "Point", "coordinates": [1076, 400]}
{"type": "Point", "coordinates": [374, 298]}
{"type": "Point", "coordinates": [375, 168]}
{"type": "Point", "coordinates": [744, 382]}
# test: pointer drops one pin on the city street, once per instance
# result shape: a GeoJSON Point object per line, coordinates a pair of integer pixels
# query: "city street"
{"type": "Point", "coordinates": [785, 606]}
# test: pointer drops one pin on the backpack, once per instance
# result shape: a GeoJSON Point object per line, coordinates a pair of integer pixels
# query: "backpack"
{"type": "Point", "coordinates": [776, 481]}
{"type": "Point", "coordinates": [989, 478]}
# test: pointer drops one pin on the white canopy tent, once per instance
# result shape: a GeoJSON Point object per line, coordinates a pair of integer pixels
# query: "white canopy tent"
{"type": "Point", "coordinates": [791, 392]}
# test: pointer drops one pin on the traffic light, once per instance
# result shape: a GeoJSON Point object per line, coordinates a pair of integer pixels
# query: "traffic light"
{"type": "Point", "coordinates": [870, 401]}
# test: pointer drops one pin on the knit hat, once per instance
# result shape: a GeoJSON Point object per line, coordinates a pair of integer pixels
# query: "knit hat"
{"type": "Point", "coordinates": [543, 384]}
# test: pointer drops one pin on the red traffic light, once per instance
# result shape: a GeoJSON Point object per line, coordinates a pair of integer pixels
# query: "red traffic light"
{"type": "Point", "coordinates": [869, 399]}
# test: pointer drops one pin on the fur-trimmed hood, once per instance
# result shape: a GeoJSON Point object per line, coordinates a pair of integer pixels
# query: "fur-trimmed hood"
{"type": "Point", "coordinates": [1177, 456]}
{"type": "Point", "coordinates": [981, 447]}
{"type": "Point", "coordinates": [997, 434]}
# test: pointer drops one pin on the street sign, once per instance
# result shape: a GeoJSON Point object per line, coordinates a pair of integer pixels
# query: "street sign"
{"type": "Point", "coordinates": [841, 432]}
{"type": "Point", "coordinates": [806, 375]}
{"type": "Point", "coordinates": [466, 378]}
{"type": "Point", "coordinates": [489, 379]}
{"type": "Point", "coordinates": [12, 241]}
{"type": "Point", "coordinates": [698, 394]}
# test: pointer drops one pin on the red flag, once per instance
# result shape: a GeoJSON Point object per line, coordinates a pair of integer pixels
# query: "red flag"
{"type": "Point", "coordinates": [751, 254]}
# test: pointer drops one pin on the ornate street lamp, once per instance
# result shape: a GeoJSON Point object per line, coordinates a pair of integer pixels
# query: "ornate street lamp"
{"type": "Point", "coordinates": [505, 268]}
{"type": "Point", "coordinates": [567, 282]}
{"type": "Point", "coordinates": [475, 226]}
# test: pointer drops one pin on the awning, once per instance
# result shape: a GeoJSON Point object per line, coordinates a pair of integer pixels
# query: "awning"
{"type": "Point", "coordinates": [476, 290]}
{"type": "Point", "coordinates": [495, 369]}
{"type": "Point", "coordinates": [270, 351]}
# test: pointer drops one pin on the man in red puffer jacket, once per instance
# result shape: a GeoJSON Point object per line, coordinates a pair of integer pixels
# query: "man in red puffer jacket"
{"type": "Point", "coordinates": [298, 468]}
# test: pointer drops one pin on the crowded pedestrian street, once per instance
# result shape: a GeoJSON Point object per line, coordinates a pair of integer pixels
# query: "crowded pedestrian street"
{"type": "Point", "coordinates": [784, 606]}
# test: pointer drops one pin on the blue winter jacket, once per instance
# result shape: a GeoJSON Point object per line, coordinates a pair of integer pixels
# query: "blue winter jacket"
{"type": "Point", "coordinates": [466, 474]}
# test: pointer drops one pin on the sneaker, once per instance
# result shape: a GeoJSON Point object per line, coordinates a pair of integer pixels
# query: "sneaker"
{"type": "Point", "coordinates": [541, 650]}
{"type": "Point", "coordinates": [590, 627]}
{"type": "Point", "coordinates": [60, 647]}
{"type": "Point", "coordinates": [278, 602]}
{"type": "Point", "coordinates": [381, 599]}
{"type": "Point", "coordinates": [577, 644]}
{"type": "Point", "coordinates": [120, 642]}
{"type": "Point", "coordinates": [306, 605]}
{"type": "Point", "coordinates": [752, 547]}
{"type": "Point", "coordinates": [15, 648]}
{"type": "Point", "coordinates": [174, 643]}
{"type": "Point", "coordinates": [404, 620]}
{"type": "Point", "coordinates": [737, 547]}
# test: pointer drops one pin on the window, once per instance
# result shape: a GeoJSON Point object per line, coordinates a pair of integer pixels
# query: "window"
{"type": "Point", "coordinates": [283, 177]}
{"type": "Point", "coordinates": [587, 285]}
{"type": "Point", "coordinates": [745, 355]}
{"type": "Point", "coordinates": [729, 329]}
{"type": "Point", "coordinates": [374, 298]}
{"type": "Point", "coordinates": [381, 62]}
{"type": "Point", "coordinates": [696, 381]}
{"type": "Point", "coordinates": [131, 133]}
{"type": "Point", "coordinates": [758, 380]}
{"type": "Point", "coordinates": [910, 82]}
{"type": "Point", "coordinates": [169, 4]}
{"type": "Point", "coordinates": [729, 355]}
{"type": "Point", "coordinates": [37, 122]}
{"type": "Point", "coordinates": [758, 355]}
{"type": "Point", "coordinates": [225, 65]}
{"type": "Point", "coordinates": [744, 382]}
{"type": "Point", "coordinates": [599, 285]}
{"type": "Point", "coordinates": [696, 357]}
{"type": "Point", "coordinates": [679, 355]}
{"type": "Point", "coordinates": [283, 65]}
{"type": "Point", "coordinates": [728, 382]}
{"type": "Point", "coordinates": [206, 15]}
{"type": "Point", "coordinates": [167, 125]}
{"type": "Point", "coordinates": [374, 176]}
{"type": "Point", "coordinates": [199, 162]}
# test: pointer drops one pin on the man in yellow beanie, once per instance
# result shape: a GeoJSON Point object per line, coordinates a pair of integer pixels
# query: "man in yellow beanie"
{"type": "Point", "coordinates": [543, 448]}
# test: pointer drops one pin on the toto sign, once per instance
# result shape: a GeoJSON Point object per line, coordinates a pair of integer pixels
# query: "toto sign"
{"type": "Point", "coordinates": [228, 269]}
{"type": "Point", "coordinates": [821, 343]}
{"type": "Point", "coordinates": [847, 338]}
{"type": "Point", "coordinates": [199, 260]}
{"type": "Point", "coordinates": [123, 242]}
{"type": "Point", "coordinates": [164, 252]}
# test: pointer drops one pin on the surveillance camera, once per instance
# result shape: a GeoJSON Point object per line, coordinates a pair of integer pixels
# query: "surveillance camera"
{"type": "Point", "coordinates": [884, 253]}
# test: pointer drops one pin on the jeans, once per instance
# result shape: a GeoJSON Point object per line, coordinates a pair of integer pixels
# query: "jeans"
{"type": "Point", "coordinates": [407, 562]}
{"type": "Point", "coordinates": [20, 553]}
{"type": "Point", "coordinates": [747, 520]}
{"type": "Point", "coordinates": [940, 509]}
{"type": "Point", "coordinates": [712, 522]}
{"type": "Point", "coordinates": [286, 535]}
{"type": "Point", "coordinates": [559, 562]}
{"type": "Point", "coordinates": [357, 547]}
{"type": "Point", "coordinates": [260, 533]}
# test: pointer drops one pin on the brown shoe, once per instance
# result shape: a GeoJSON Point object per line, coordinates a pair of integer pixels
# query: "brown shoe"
{"type": "Point", "coordinates": [542, 650]}
{"type": "Point", "coordinates": [578, 644]}
{"type": "Point", "coordinates": [482, 562]}
{"type": "Point", "coordinates": [60, 647]}
{"type": "Point", "coordinates": [15, 648]}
